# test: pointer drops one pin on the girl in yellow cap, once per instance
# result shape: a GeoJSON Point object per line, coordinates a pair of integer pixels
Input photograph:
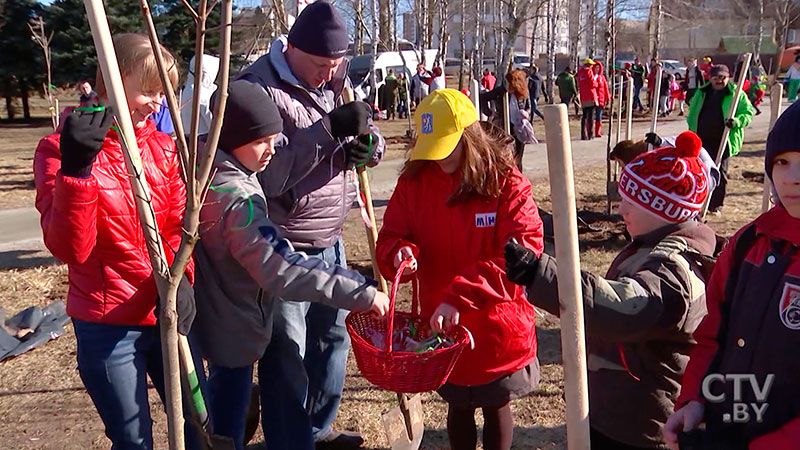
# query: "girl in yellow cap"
{"type": "Point", "coordinates": [458, 200]}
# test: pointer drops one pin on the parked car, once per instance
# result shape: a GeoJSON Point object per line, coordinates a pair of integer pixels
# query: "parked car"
{"type": "Point", "coordinates": [675, 67]}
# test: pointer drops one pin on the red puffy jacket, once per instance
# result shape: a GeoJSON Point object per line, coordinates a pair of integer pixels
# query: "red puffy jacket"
{"type": "Point", "coordinates": [460, 254]}
{"type": "Point", "coordinates": [603, 94]}
{"type": "Point", "coordinates": [92, 225]}
{"type": "Point", "coordinates": [587, 86]}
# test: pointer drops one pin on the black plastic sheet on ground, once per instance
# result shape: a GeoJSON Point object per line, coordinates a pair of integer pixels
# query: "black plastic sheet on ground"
{"type": "Point", "coordinates": [31, 328]}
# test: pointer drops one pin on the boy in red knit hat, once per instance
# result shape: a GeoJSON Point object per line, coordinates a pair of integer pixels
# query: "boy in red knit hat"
{"type": "Point", "coordinates": [639, 317]}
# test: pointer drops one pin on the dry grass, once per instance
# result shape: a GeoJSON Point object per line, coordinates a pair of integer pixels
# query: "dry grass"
{"type": "Point", "coordinates": [43, 404]}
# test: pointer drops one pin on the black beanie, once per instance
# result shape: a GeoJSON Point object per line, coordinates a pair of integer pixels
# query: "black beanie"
{"type": "Point", "coordinates": [250, 114]}
{"type": "Point", "coordinates": [784, 137]}
{"type": "Point", "coordinates": [320, 31]}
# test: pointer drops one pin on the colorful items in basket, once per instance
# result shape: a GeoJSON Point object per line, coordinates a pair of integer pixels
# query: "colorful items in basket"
{"type": "Point", "coordinates": [406, 339]}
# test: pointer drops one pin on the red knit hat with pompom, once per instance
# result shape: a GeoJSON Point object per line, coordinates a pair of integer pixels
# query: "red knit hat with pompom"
{"type": "Point", "coordinates": [669, 182]}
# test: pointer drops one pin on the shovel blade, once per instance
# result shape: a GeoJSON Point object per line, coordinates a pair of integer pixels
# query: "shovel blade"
{"type": "Point", "coordinates": [394, 424]}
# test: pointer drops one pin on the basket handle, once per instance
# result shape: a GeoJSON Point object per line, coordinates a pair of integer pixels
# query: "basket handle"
{"type": "Point", "coordinates": [393, 297]}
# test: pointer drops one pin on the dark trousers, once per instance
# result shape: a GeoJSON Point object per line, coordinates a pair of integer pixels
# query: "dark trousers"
{"type": "Point", "coordinates": [519, 149]}
{"type": "Point", "coordinates": [711, 143]}
{"type": "Point", "coordinates": [587, 122]}
{"type": "Point", "coordinates": [229, 392]}
{"type": "Point", "coordinates": [718, 196]}
{"type": "Point", "coordinates": [637, 102]}
{"type": "Point", "coordinates": [603, 442]}
{"type": "Point", "coordinates": [535, 109]}
{"type": "Point", "coordinates": [690, 94]}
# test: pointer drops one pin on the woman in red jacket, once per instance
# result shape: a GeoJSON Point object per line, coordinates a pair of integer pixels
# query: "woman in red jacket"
{"type": "Point", "coordinates": [603, 98]}
{"type": "Point", "coordinates": [587, 89]}
{"type": "Point", "coordinates": [89, 221]}
{"type": "Point", "coordinates": [458, 200]}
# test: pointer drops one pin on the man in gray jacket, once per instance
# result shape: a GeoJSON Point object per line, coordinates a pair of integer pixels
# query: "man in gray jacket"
{"type": "Point", "coordinates": [309, 190]}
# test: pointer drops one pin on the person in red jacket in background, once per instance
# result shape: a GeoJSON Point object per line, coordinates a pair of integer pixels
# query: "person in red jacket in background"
{"type": "Point", "coordinates": [89, 221]}
{"type": "Point", "coordinates": [603, 98]}
{"type": "Point", "coordinates": [753, 325]}
{"type": "Point", "coordinates": [587, 90]}
{"type": "Point", "coordinates": [459, 198]}
{"type": "Point", "coordinates": [705, 68]}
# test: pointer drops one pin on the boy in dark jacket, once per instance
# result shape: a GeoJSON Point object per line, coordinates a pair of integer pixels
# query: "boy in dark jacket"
{"type": "Point", "coordinates": [639, 317]}
{"type": "Point", "coordinates": [753, 324]}
{"type": "Point", "coordinates": [244, 265]}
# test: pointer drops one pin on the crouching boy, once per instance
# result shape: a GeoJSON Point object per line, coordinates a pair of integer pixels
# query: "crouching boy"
{"type": "Point", "coordinates": [243, 264]}
{"type": "Point", "coordinates": [639, 317]}
{"type": "Point", "coordinates": [742, 380]}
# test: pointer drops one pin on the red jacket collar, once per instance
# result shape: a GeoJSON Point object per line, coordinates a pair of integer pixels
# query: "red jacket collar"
{"type": "Point", "coordinates": [778, 223]}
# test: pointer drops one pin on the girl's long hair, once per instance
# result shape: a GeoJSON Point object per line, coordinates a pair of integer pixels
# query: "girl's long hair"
{"type": "Point", "coordinates": [518, 83]}
{"type": "Point", "coordinates": [488, 161]}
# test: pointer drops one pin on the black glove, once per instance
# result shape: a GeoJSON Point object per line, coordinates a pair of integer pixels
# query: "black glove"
{"type": "Point", "coordinates": [521, 263]}
{"type": "Point", "coordinates": [350, 119]}
{"type": "Point", "coordinates": [185, 305]}
{"type": "Point", "coordinates": [82, 139]}
{"type": "Point", "coordinates": [653, 139]}
{"type": "Point", "coordinates": [359, 151]}
{"type": "Point", "coordinates": [730, 123]}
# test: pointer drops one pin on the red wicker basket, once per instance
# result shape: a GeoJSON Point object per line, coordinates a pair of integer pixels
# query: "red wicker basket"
{"type": "Point", "coordinates": [403, 372]}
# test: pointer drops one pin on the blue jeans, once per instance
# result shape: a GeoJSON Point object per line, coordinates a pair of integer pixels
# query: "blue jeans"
{"type": "Point", "coordinates": [229, 392]}
{"type": "Point", "coordinates": [302, 372]}
{"type": "Point", "coordinates": [114, 362]}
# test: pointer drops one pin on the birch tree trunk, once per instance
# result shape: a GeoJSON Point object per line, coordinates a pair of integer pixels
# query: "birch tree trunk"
{"type": "Point", "coordinates": [463, 42]}
{"type": "Point", "coordinates": [759, 32]}
{"type": "Point", "coordinates": [358, 26]}
{"type": "Point", "coordinates": [552, 20]}
{"type": "Point", "coordinates": [477, 48]}
{"type": "Point", "coordinates": [444, 35]}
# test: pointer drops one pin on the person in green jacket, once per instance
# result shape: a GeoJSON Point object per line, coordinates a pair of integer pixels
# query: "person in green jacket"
{"type": "Point", "coordinates": [567, 89]}
{"type": "Point", "coordinates": [707, 117]}
{"type": "Point", "coordinates": [390, 93]}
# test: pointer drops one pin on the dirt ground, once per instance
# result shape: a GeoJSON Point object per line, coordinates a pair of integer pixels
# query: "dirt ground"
{"type": "Point", "coordinates": [43, 404]}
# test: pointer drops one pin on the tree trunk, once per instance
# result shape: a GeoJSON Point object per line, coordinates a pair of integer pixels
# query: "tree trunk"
{"type": "Point", "coordinates": [463, 42]}
{"type": "Point", "coordinates": [610, 38]}
{"type": "Point", "coordinates": [10, 109]}
{"type": "Point", "coordinates": [358, 25]}
{"type": "Point", "coordinates": [385, 32]}
{"type": "Point", "coordinates": [477, 47]}
{"type": "Point", "coordinates": [655, 24]}
{"type": "Point", "coordinates": [592, 23]}
{"type": "Point", "coordinates": [552, 21]}
{"type": "Point", "coordinates": [444, 35]}
{"type": "Point", "coordinates": [759, 32]}
{"type": "Point", "coordinates": [497, 24]}
{"type": "Point", "coordinates": [575, 31]}
{"type": "Point", "coordinates": [26, 107]}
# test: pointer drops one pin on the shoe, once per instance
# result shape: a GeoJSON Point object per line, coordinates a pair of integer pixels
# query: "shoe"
{"type": "Point", "coordinates": [341, 440]}
{"type": "Point", "coordinates": [598, 126]}
{"type": "Point", "coordinates": [715, 211]}
{"type": "Point", "coordinates": [681, 114]}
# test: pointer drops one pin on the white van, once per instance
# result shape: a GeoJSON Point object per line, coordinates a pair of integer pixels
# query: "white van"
{"type": "Point", "coordinates": [401, 62]}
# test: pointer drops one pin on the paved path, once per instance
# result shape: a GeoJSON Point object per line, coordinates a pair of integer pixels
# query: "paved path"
{"type": "Point", "coordinates": [19, 228]}
{"type": "Point", "coordinates": [584, 153]}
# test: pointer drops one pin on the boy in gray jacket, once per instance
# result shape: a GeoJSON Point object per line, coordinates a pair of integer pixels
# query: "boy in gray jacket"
{"type": "Point", "coordinates": [243, 264]}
